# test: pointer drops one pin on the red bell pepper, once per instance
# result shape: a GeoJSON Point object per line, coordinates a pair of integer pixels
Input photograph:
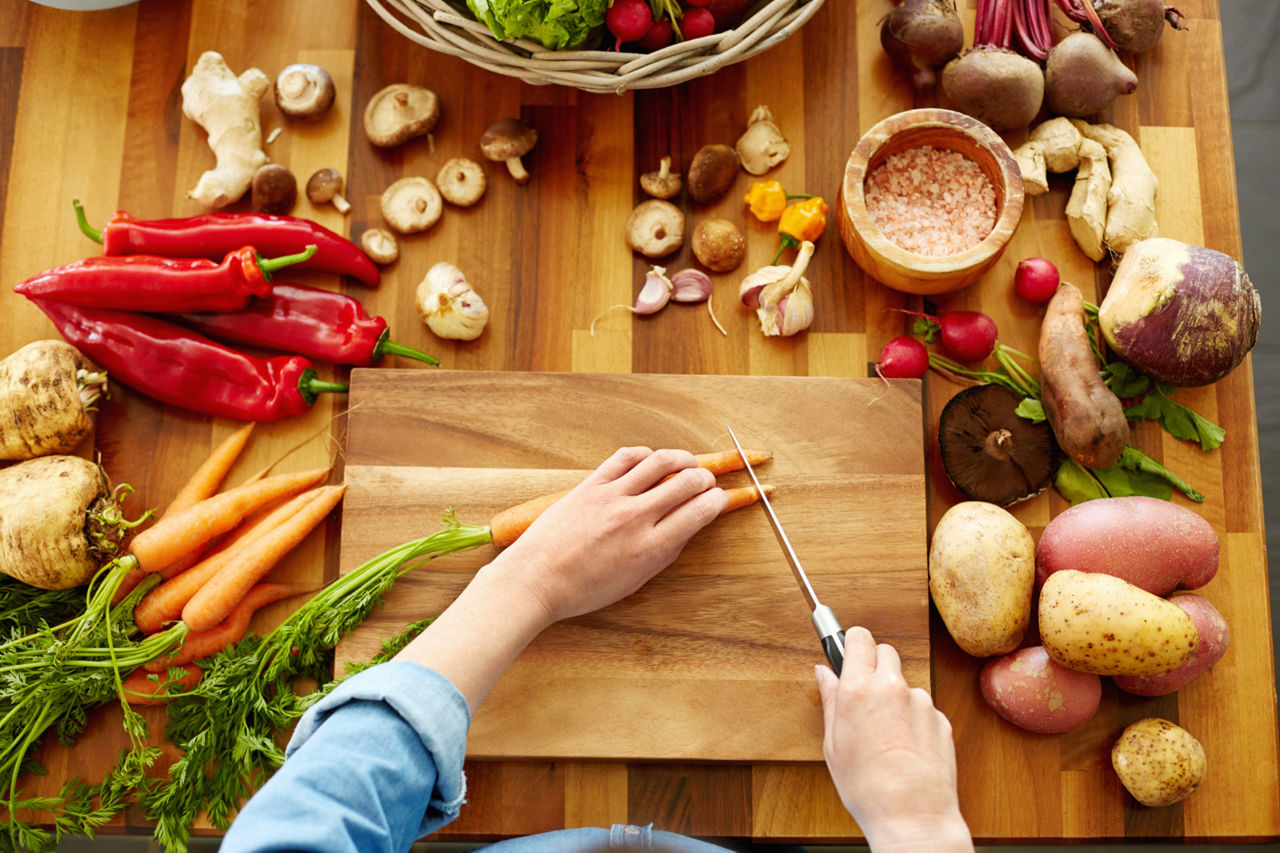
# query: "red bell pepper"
{"type": "Point", "coordinates": [319, 324]}
{"type": "Point", "coordinates": [182, 368]}
{"type": "Point", "coordinates": [212, 235]}
{"type": "Point", "coordinates": [161, 285]}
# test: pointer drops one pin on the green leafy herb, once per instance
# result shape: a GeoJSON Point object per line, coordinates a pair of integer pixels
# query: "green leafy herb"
{"type": "Point", "coordinates": [1031, 409]}
{"type": "Point", "coordinates": [25, 608]}
{"type": "Point", "coordinates": [1077, 483]}
{"type": "Point", "coordinates": [556, 24]}
{"type": "Point", "coordinates": [1177, 419]}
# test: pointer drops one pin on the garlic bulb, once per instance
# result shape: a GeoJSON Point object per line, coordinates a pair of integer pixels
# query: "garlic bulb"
{"type": "Point", "coordinates": [781, 295]}
{"type": "Point", "coordinates": [449, 306]}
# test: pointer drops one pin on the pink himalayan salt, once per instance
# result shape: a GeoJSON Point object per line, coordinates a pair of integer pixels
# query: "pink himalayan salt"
{"type": "Point", "coordinates": [931, 201]}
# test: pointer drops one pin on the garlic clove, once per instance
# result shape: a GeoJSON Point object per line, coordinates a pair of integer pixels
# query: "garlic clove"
{"type": "Point", "coordinates": [786, 307]}
{"type": "Point", "coordinates": [655, 293]}
{"type": "Point", "coordinates": [749, 289]}
{"type": "Point", "coordinates": [690, 286]}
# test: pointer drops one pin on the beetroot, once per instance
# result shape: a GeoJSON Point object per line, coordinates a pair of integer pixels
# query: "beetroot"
{"type": "Point", "coordinates": [997, 86]}
{"type": "Point", "coordinates": [1082, 76]}
{"type": "Point", "coordinates": [921, 36]}
{"type": "Point", "coordinates": [1136, 25]}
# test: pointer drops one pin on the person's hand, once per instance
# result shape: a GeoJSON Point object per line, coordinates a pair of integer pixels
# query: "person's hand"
{"type": "Point", "coordinates": [614, 531]}
{"type": "Point", "coordinates": [890, 752]}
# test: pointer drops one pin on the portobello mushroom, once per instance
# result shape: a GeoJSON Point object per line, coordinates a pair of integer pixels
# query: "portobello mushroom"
{"type": "Point", "coordinates": [990, 452]}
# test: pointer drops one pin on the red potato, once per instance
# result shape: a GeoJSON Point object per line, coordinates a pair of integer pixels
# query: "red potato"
{"type": "Point", "coordinates": [1214, 636]}
{"type": "Point", "coordinates": [1156, 545]}
{"type": "Point", "coordinates": [1034, 692]}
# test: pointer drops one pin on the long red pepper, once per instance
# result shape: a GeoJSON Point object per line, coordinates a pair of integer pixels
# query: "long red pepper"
{"type": "Point", "coordinates": [212, 235]}
{"type": "Point", "coordinates": [320, 324]}
{"type": "Point", "coordinates": [183, 368]}
{"type": "Point", "coordinates": [161, 285]}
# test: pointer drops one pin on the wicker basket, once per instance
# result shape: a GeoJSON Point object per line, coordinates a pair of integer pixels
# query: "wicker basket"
{"type": "Point", "coordinates": [449, 28]}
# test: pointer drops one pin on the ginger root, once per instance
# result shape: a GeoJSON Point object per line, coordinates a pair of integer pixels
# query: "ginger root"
{"type": "Point", "coordinates": [1087, 207]}
{"type": "Point", "coordinates": [1059, 139]}
{"type": "Point", "coordinates": [226, 106]}
{"type": "Point", "coordinates": [1131, 200]}
{"type": "Point", "coordinates": [1030, 159]}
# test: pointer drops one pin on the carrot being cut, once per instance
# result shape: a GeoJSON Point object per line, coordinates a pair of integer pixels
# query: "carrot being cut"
{"type": "Point", "coordinates": [149, 688]}
{"type": "Point", "coordinates": [201, 644]}
{"type": "Point", "coordinates": [194, 527]}
{"type": "Point", "coordinates": [217, 598]}
{"type": "Point", "coordinates": [164, 604]}
{"type": "Point", "coordinates": [507, 525]}
{"type": "Point", "coordinates": [745, 496]}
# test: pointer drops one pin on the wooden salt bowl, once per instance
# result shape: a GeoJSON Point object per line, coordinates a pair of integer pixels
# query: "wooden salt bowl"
{"type": "Point", "coordinates": [886, 261]}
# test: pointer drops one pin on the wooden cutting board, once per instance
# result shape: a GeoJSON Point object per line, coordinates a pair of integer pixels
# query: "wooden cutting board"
{"type": "Point", "coordinates": [713, 659]}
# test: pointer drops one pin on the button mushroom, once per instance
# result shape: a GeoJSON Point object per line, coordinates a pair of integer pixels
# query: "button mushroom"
{"type": "Point", "coordinates": [461, 181]}
{"type": "Point", "coordinates": [326, 186]}
{"type": "Point", "coordinates": [712, 172]}
{"type": "Point", "coordinates": [304, 91]}
{"type": "Point", "coordinates": [719, 244]}
{"type": "Point", "coordinates": [762, 146]}
{"type": "Point", "coordinates": [507, 141]}
{"type": "Point", "coordinates": [663, 183]}
{"type": "Point", "coordinates": [380, 245]}
{"type": "Point", "coordinates": [399, 113]}
{"type": "Point", "coordinates": [990, 452]}
{"type": "Point", "coordinates": [274, 189]}
{"type": "Point", "coordinates": [655, 228]}
{"type": "Point", "coordinates": [411, 205]}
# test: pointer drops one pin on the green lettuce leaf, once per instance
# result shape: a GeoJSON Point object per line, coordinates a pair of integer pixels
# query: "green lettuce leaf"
{"type": "Point", "coordinates": [556, 24]}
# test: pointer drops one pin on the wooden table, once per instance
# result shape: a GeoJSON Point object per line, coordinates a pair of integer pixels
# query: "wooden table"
{"type": "Point", "coordinates": [89, 108]}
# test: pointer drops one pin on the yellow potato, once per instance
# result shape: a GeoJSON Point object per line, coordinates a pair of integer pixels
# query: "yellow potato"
{"type": "Point", "coordinates": [1158, 763]}
{"type": "Point", "coordinates": [981, 572]}
{"type": "Point", "coordinates": [1092, 622]}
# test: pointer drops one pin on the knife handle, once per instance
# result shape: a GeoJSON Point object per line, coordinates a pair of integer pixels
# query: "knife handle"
{"type": "Point", "coordinates": [833, 645]}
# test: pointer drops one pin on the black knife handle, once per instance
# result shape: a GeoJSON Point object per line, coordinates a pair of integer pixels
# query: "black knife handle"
{"type": "Point", "coordinates": [833, 645]}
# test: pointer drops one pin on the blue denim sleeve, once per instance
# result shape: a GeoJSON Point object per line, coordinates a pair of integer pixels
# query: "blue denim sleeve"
{"type": "Point", "coordinates": [375, 765]}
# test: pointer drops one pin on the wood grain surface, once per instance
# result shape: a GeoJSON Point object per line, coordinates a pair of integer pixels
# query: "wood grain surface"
{"type": "Point", "coordinates": [89, 108]}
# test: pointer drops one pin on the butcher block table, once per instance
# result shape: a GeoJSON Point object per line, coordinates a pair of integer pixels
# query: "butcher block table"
{"type": "Point", "coordinates": [90, 109]}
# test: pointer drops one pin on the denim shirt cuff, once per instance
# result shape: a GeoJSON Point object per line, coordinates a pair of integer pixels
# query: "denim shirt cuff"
{"type": "Point", "coordinates": [430, 704]}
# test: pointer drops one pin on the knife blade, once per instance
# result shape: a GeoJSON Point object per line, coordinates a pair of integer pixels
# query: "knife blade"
{"type": "Point", "coordinates": [824, 618]}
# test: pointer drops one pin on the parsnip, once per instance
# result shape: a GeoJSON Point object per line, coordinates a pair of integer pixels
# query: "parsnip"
{"type": "Point", "coordinates": [47, 395]}
{"type": "Point", "coordinates": [1087, 207]}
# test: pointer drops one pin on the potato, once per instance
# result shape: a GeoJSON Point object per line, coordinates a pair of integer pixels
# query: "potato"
{"type": "Point", "coordinates": [1157, 762]}
{"type": "Point", "coordinates": [1214, 636]}
{"type": "Point", "coordinates": [1102, 624]}
{"type": "Point", "coordinates": [1031, 690]}
{"type": "Point", "coordinates": [981, 574]}
{"type": "Point", "coordinates": [1153, 544]}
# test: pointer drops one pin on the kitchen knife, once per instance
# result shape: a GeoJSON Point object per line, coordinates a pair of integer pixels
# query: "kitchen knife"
{"type": "Point", "coordinates": [824, 618]}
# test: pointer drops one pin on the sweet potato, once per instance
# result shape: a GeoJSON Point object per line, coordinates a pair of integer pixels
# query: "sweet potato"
{"type": "Point", "coordinates": [46, 399]}
{"type": "Point", "coordinates": [58, 521]}
{"type": "Point", "coordinates": [1156, 545]}
{"type": "Point", "coordinates": [1214, 636]}
{"type": "Point", "coordinates": [1087, 418]}
{"type": "Point", "coordinates": [1034, 692]}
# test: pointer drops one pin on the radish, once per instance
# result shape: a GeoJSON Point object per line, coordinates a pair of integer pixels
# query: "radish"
{"type": "Point", "coordinates": [698, 23]}
{"type": "Point", "coordinates": [660, 35]}
{"type": "Point", "coordinates": [1036, 280]}
{"type": "Point", "coordinates": [628, 20]}
{"type": "Point", "coordinates": [965, 335]}
{"type": "Point", "coordinates": [903, 358]}
{"type": "Point", "coordinates": [697, 3]}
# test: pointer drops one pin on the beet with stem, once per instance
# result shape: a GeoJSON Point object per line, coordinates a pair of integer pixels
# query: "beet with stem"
{"type": "Point", "coordinates": [921, 36]}
{"type": "Point", "coordinates": [992, 81]}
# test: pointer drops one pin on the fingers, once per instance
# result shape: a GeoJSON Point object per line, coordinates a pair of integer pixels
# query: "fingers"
{"type": "Point", "coordinates": [859, 651]}
{"type": "Point", "coordinates": [623, 460]}
{"type": "Point", "coordinates": [695, 512]}
{"type": "Point", "coordinates": [827, 683]}
{"type": "Point", "coordinates": [888, 663]}
{"type": "Point", "coordinates": [647, 472]}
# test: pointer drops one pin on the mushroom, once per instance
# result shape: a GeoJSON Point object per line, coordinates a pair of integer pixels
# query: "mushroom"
{"type": "Point", "coordinates": [411, 205]}
{"type": "Point", "coordinates": [762, 146]}
{"type": "Point", "coordinates": [655, 228]}
{"type": "Point", "coordinates": [325, 186]}
{"type": "Point", "coordinates": [990, 452]}
{"type": "Point", "coordinates": [380, 245]}
{"type": "Point", "coordinates": [663, 183]}
{"type": "Point", "coordinates": [719, 245]}
{"type": "Point", "coordinates": [400, 112]}
{"type": "Point", "coordinates": [274, 189]}
{"type": "Point", "coordinates": [712, 172]}
{"type": "Point", "coordinates": [461, 181]}
{"type": "Point", "coordinates": [449, 305]}
{"type": "Point", "coordinates": [304, 91]}
{"type": "Point", "coordinates": [508, 140]}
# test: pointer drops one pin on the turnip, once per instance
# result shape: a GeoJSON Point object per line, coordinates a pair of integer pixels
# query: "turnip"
{"type": "Point", "coordinates": [1182, 314]}
{"type": "Point", "coordinates": [1082, 76]}
{"type": "Point", "coordinates": [58, 521]}
{"type": "Point", "coordinates": [903, 358]}
{"type": "Point", "coordinates": [47, 395]}
{"type": "Point", "coordinates": [921, 36]}
{"type": "Point", "coordinates": [1136, 25]}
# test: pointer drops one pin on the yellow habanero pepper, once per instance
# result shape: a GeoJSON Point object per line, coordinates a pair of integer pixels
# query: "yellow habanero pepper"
{"type": "Point", "coordinates": [804, 220]}
{"type": "Point", "coordinates": [766, 199]}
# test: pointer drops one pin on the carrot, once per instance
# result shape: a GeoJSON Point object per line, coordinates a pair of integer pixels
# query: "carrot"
{"type": "Point", "coordinates": [148, 688]}
{"type": "Point", "coordinates": [745, 496]}
{"type": "Point", "coordinates": [203, 484]}
{"type": "Point", "coordinates": [507, 525]}
{"type": "Point", "coordinates": [164, 603]}
{"type": "Point", "coordinates": [194, 527]}
{"type": "Point", "coordinates": [217, 598]}
{"type": "Point", "coordinates": [201, 644]}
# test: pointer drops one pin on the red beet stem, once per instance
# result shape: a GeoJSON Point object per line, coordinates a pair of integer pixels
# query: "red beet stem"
{"type": "Point", "coordinates": [1082, 12]}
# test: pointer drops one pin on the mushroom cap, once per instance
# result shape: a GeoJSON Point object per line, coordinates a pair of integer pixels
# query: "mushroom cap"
{"type": "Point", "coordinates": [324, 185]}
{"type": "Point", "coordinates": [762, 145]}
{"type": "Point", "coordinates": [712, 172]}
{"type": "Point", "coordinates": [274, 189]}
{"type": "Point", "coordinates": [655, 228]}
{"type": "Point", "coordinates": [461, 181]}
{"type": "Point", "coordinates": [304, 91]}
{"type": "Point", "coordinates": [411, 205]}
{"type": "Point", "coordinates": [399, 113]}
{"type": "Point", "coordinates": [719, 245]}
{"type": "Point", "coordinates": [380, 245]}
{"type": "Point", "coordinates": [990, 452]}
{"type": "Point", "coordinates": [663, 183]}
{"type": "Point", "coordinates": [507, 138]}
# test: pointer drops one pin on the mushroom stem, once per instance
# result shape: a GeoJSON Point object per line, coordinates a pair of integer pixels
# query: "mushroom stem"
{"type": "Point", "coordinates": [1000, 443]}
{"type": "Point", "coordinates": [516, 167]}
